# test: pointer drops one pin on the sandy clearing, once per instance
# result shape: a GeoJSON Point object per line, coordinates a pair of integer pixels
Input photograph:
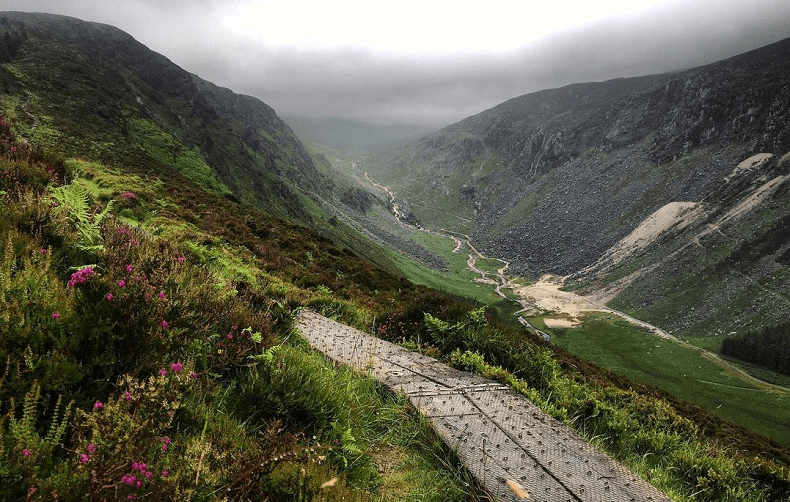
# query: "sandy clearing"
{"type": "Point", "coordinates": [546, 295]}
{"type": "Point", "coordinates": [750, 163]}
{"type": "Point", "coordinates": [755, 160]}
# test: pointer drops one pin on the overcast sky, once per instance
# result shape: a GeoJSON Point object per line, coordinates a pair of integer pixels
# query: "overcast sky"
{"type": "Point", "coordinates": [427, 62]}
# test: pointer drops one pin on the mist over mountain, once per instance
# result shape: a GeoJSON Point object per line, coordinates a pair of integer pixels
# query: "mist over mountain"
{"type": "Point", "coordinates": [345, 133]}
{"type": "Point", "coordinates": [552, 180]}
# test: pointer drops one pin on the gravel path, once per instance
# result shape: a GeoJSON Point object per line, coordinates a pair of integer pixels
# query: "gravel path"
{"type": "Point", "coordinates": [505, 441]}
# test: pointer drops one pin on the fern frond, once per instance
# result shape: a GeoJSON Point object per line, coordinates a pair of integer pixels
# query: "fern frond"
{"type": "Point", "coordinates": [24, 428]}
{"type": "Point", "coordinates": [100, 217]}
{"type": "Point", "coordinates": [5, 279]}
{"type": "Point", "coordinates": [30, 406]}
{"type": "Point", "coordinates": [58, 427]}
{"type": "Point", "coordinates": [90, 237]}
{"type": "Point", "coordinates": [76, 198]}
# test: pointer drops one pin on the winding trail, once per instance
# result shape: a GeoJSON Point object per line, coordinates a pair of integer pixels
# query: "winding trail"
{"type": "Point", "coordinates": [546, 295]}
{"type": "Point", "coordinates": [395, 207]}
{"type": "Point", "coordinates": [504, 440]}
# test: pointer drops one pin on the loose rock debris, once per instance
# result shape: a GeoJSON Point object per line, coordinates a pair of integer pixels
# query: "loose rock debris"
{"type": "Point", "coordinates": [504, 440]}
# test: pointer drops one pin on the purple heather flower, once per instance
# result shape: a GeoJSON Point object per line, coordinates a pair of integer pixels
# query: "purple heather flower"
{"type": "Point", "coordinates": [80, 276]}
{"type": "Point", "coordinates": [110, 297]}
{"type": "Point", "coordinates": [121, 283]}
{"type": "Point", "coordinates": [98, 405]}
{"type": "Point", "coordinates": [56, 315]}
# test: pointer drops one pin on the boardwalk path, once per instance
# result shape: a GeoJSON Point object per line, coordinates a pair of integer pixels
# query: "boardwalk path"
{"type": "Point", "coordinates": [498, 434]}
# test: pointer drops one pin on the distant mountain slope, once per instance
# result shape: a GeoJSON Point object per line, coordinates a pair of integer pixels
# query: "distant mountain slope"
{"type": "Point", "coordinates": [76, 84]}
{"type": "Point", "coordinates": [551, 180]}
{"type": "Point", "coordinates": [336, 132]}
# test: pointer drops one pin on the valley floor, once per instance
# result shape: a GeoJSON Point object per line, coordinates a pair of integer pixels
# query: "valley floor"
{"type": "Point", "coordinates": [563, 316]}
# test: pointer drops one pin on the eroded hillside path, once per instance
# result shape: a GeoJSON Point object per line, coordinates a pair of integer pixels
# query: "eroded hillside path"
{"type": "Point", "coordinates": [500, 436]}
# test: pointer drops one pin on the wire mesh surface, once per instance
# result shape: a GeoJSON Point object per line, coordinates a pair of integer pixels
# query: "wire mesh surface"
{"type": "Point", "coordinates": [499, 435]}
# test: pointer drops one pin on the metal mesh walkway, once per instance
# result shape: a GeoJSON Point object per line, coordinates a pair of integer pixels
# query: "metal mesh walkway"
{"type": "Point", "coordinates": [499, 435]}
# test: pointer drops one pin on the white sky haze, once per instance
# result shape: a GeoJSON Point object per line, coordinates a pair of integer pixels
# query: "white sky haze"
{"type": "Point", "coordinates": [427, 62]}
{"type": "Point", "coordinates": [419, 26]}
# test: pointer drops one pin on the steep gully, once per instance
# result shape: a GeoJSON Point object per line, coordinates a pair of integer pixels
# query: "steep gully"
{"type": "Point", "coordinates": [546, 295]}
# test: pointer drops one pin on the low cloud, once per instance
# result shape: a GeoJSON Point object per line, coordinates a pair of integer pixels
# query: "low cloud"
{"type": "Point", "coordinates": [432, 89]}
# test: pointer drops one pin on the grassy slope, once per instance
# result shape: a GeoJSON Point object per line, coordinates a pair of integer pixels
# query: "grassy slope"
{"type": "Point", "coordinates": [679, 369]}
{"type": "Point", "coordinates": [188, 273]}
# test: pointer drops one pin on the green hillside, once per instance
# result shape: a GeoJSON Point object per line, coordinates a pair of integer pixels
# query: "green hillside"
{"type": "Point", "coordinates": [146, 334]}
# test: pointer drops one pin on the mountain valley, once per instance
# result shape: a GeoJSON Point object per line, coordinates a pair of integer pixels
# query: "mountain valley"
{"type": "Point", "coordinates": [155, 225]}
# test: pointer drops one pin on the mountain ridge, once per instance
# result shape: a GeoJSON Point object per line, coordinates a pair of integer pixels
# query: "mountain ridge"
{"type": "Point", "coordinates": [550, 181]}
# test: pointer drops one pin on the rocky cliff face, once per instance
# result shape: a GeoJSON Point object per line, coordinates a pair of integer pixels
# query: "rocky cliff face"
{"type": "Point", "coordinates": [552, 179]}
{"type": "Point", "coordinates": [93, 83]}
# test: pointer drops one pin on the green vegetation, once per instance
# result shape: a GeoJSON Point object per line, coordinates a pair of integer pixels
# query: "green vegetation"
{"type": "Point", "coordinates": [679, 368]}
{"type": "Point", "coordinates": [768, 347]}
{"type": "Point", "coordinates": [157, 359]}
{"type": "Point", "coordinates": [458, 280]}
{"type": "Point", "coordinates": [643, 430]}
{"type": "Point", "coordinates": [164, 148]}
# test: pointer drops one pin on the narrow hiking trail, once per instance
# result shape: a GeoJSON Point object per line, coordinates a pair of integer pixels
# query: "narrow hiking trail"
{"type": "Point", "coordinates": [567, 308]}
{"type": "Point", "coordinates": [504, 440]}
{"type": "Point", "coordinates": [545, 294]}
